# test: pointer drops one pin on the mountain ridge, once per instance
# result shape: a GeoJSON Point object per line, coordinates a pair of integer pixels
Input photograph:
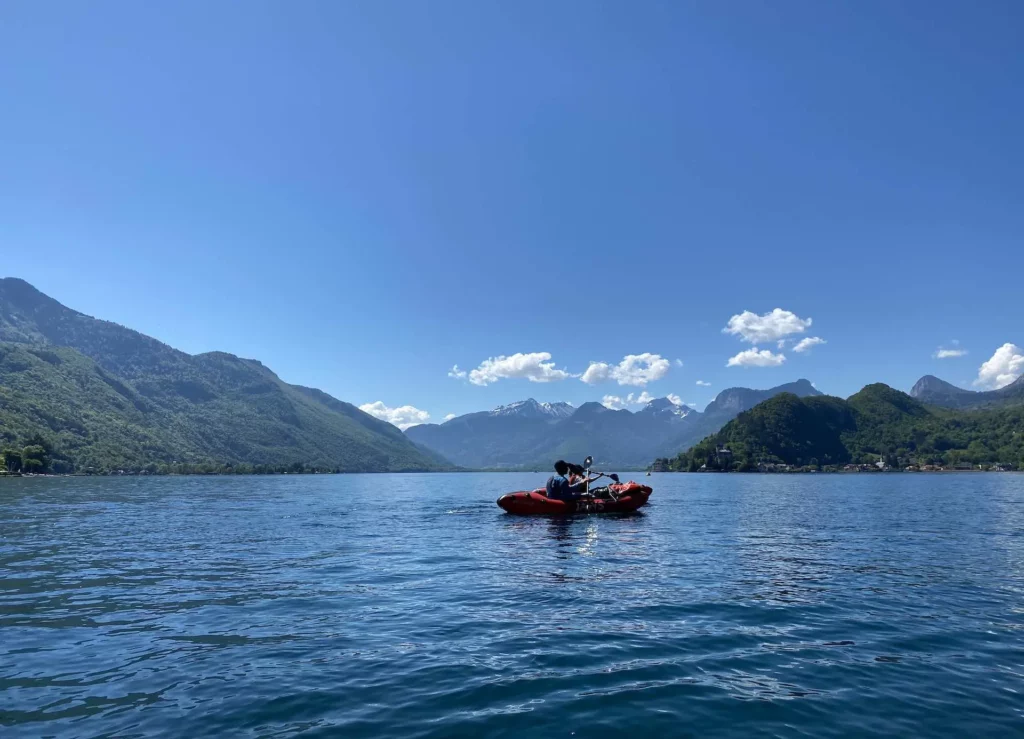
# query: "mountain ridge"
{"type": "Point", "coordinates": [876, 423]}
{"type": "Point", "coordinates": [623, 438]}
{"type": "Point", "coordinates": [531, 408]}
{"type": "Point", "coordinates": [211, 409]}
{"type": "Point", "coordinates": [935, 391]}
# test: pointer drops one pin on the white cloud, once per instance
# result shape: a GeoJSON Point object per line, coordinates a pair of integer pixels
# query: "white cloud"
{"type": "Point", "coordinates": [597, 372]}
{"type": "Point", "coordinates": [456, 373]}
{"type": "Point", "coordinates": [634, 369]}
{"type": "Point", "coordinates": [1005, 366]}
{"type": "Point", "coordinates": [679, 363]}
{"type": "Point", "coordinates": [675, 399]}
{"type": "Point", "coordinates": [614, 402]}
{"type": "Point", "coordinates": [805, 344]}
{"type": "Point", "coordinates": [403, 416]}
{"type": "Point", "coordinates": [449, 417]}
{"type": "Point", "coordinates": [535, 367]}
{"type": "Point", "coordinates": [703, 384]}
{"type": "Point", "coordinates": [618, 403]}
{"type": "Point", "coordinates": [755, 358]}
{"type": "Point", "coordinates": [942, 353]}
{"type": "Point", "coordinates": [778, 324]}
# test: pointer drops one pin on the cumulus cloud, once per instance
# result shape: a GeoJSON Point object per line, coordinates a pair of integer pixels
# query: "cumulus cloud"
{"type": "Point", "coordinates": [755, 329]}
{"type": "Point", "coordinates": [456, 373]}
{"type": "Point", "coordinates": [806, 344]}
{"type": "Point", "coordinates": [535, 367]}
{"type": "Point", "coordinates": [597, 372]}
{"type": "Point", "coordinates": [755, 358]}
{"type": "Point", "coordinates": [701, 383]}
{"type": "Point", "coordinates": [403, 416]}
{"type": "Point", "coordinates": [634, 369]}
{"type": "Point", "coordinates": [675, 399]}
{"type": "Point", "coordinates": [1005, 366]}
{"type": "Point", "coordinates": [614, 402]}
{"type": "Point", "coordinates": [644, 398]}
{"type": "Point", "coordinates": [449, 417]}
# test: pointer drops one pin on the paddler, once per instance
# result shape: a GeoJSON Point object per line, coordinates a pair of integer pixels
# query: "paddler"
{"type": "Point", "coordinates": [561, 487]}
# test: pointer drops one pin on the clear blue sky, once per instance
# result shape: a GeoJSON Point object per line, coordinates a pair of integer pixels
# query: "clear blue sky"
{"type": "Point", "coordinates": [362, 194]}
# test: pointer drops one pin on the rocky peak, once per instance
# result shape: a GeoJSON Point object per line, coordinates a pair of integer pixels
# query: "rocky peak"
{"type": "Point", "coordinates": [930, 384]}
{"type": "Point", "coordinates": [530, 408]}
{"type": "Point", "coordinates": [664, 406]}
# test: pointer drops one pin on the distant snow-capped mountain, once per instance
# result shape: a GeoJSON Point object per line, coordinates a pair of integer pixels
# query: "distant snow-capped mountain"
{"type": "Point", "coordinates": [530, 408]}
{"type": "Point", "coordinates": [666, 407]}
{"type": "Point", "coordinates": [532, 435]}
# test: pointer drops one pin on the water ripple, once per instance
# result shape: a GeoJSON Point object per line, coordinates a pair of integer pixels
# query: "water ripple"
{"type": "Point", "coordinates": [410, 606]}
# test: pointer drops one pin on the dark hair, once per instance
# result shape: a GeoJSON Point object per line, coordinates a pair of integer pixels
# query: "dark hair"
{"type": "Point", "coordinates": [576, 469]}
{"type": "Point", "coordinates": [561, 467]}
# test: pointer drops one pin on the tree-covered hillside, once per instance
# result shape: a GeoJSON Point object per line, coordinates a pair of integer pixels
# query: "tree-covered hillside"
{"type": "Point", "coordinates": [104, 397]}
{"type": "Point", "coordinates": [878, 422]}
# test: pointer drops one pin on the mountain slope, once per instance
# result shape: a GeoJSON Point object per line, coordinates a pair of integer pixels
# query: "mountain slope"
{"type": "Point", "coordinates": [526, 434]}
{"type": "Point", "coordinates": [107, 396]}
{"type": "Point", "coordinates": [506, 437]}
{"type": "Point", "coordinates": [876, 422]}
{"type": "Point", "coordinates": [930, 389]}
{"type": "Point", "coordinates": [726, 406]}
{"type": "Point", "coordinates": [734, 400]}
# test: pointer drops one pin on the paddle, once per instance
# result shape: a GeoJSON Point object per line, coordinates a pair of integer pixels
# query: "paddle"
{"type": "Point", "coordinates": [611, 475]}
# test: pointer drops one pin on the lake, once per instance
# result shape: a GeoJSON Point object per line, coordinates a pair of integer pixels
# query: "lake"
{"type": "Point", "coordinates": [411, 606]}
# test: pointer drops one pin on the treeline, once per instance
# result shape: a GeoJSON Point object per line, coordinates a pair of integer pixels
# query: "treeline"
{"type": "Point", "coordinates": [877, 424]}
{"type": "Point", "coordinates": [38, 456]}
{"type": "Point", "coordinates": [33, 457]}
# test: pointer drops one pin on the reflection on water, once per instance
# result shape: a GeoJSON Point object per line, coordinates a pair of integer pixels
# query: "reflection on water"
{"type": "Point", "coordinates": [409, 605]}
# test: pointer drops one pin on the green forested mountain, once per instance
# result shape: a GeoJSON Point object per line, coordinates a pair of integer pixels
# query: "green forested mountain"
{"type": "Point", "coordinates": [876, 422]}
{"type": "Point", "coordinates": [99, 395]}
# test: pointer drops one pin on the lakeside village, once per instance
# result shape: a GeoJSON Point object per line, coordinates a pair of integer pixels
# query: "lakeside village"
{"type": "Point", "coordinates": [723, 461]}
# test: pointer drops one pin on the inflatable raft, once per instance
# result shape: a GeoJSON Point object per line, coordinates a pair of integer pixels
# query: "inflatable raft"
{"type": "Point", "coordinates": [624, 499]}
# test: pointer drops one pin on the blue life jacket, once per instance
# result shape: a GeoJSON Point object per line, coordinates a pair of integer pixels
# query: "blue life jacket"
{"type": "Point", "coordinates": [558, 488]}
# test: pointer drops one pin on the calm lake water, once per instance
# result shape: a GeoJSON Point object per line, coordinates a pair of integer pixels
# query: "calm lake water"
{"type": "Point", "coordinates": [410, 605]}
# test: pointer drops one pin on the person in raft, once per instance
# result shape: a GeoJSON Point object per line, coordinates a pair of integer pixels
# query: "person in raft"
{"type": "Point", "coordinates": [559, 486]}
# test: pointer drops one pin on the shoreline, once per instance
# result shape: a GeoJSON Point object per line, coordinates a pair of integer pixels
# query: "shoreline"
{"type": "Point", "coordinates": [840, 472]}
{"type": "Point", "coordinates": [511, 472]}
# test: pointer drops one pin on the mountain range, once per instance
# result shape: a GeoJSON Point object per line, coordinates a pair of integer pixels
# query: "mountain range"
{"type": "Point", "coordinates": [94, 394]}
{"type": "Point", "coordinates": [528, 434]}
{"type": "Point", "coordinates": [876, 423]}
{"type": "Point", "coordinates": [103, 396]}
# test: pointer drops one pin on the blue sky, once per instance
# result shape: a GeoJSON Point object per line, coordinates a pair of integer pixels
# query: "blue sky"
{"type": "Point", "coordinates": [363, 195]}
